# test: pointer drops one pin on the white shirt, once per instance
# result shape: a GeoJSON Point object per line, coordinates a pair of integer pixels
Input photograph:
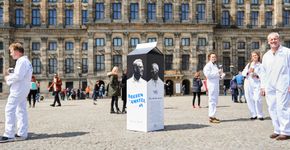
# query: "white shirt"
{"type": "Point", "coordinates": [276, 70]}
{"type": "Point", "coordinates": [20, 80]}
{"type": "Point", "coordinates": [211, 72]}
{"type": "Point", "coordinates": [254, 81]}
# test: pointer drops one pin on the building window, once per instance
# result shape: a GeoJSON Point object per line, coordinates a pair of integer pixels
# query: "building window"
{"type": "Point", "coordinates": [241, 45]}
{"type": "Point", "coordinates": [52, 1]}
{"type": "Point", "coordinates": [167, 12]}
{"type": "Point", "coordinates": [84, 16]}
{"type": "Point", "coordinates": [69, 65]}
{"type": "Point", "coordinates": [185, 41]}
{"type": "Point", "coordinates": [69, 46]}
{"type": "Point", "coordinates": [1, 15]}
{"type": "Point", "coordinates": [100, 62]}
{"type": "Point", "coordinates": [117, 42]}
{"type": "Point", "coordinates": [255, 2]}
{"type": "Point", "coordinates": [19, 17]}
{"type": "Point", "coordinates": [69, 1]}
{"type": "Point", "coordinates": [1, 46]}
{"type": "Point", "coordinates": [1, 65]}
{"type": "Point", "coordinates": [85, 46]}
{"type": "Point", "coordinates": [241, 63]}
{"type": "Point", "coordinates": [201, 61]}
{"type": "Point", "coordinates": [52, 17]}
{"type": "Point", "coordinates": [84, 1]}
{"type": "Point", "coordinates": [226, 64]}
{"type": "Point", "coordinates": [35, 0]}
{"type": "Point", "coordinates": [35, 46]}
{"type": "Point", "coordinates": [254, 18]}
{"type": "Point", "coordinates": [240, 18]}
{"type": "Point", "coordinates": [36, 66]}
{"type": "Point", "coordinates": [134, 11]}
{"type": "Point", "coordinates": [52, 65]}
{"type": "Point", "coordinates": [201, 42]}
{"type": "Point", "coordinates": [35, 17]}
{"type": "Point", "coordinates": [52, 46]}
{"type": "Point", "coordinates": [255, 45]}
{"type": "Point", "coordinates": [240, 2]}
{"type": "Point", "coordinates": [185, 62]}
{"type": "Point", "coordinates": [134, 42]}
{"type": "Point", "coordinates": [100, 11]}
{"type": "Point", "coordinates": [286, 17]}
{"type": "Point", "coordinates": [286, 1]}
{"type": "Point", "coordinates": [84, 65]}
{"type": "Point", "coordinates": [117, 61]}
{"type": "Point", "coordinates": [287, 44]}
{"type": "Point", "coordinates": [200, 12]}
{"type": "Point", "coordinates": [168, 42]}
{"type": "Point", "coordinates": [168, 62]}
{"type": "Point", "coordinates": [226, 18]}
{"type": "Point", "coordinates": [226, 45]}
{"type": "Point", "coordinates": [268, 2]}
{"type": "Point", "coordinates": [268, 18]}
{"type": "Point", "coordinates": [117, 11]}
{"type": "Point", "coordinates": [100, 42]}
{"type": "Point", "coordinates": [1, 87]}
{"type": "Point", "coordinates": [226, 1]}
{"type": "Point", "coordinates": [69, 17]}
{"type": "Point", "coordinates": [149, 40]}
{"type": "Point", "coordinates": [184, 11]}
{"type": "Point", "coordinates": [151, 11]}
{"type": "Point", "coordinates": [18, 0]}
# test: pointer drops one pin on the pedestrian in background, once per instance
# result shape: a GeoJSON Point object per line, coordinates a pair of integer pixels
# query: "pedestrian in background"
{"type": "Point", "coordinates": [114, 90]}
{"type": "Point", "coordinates": [196, 89]}
{"type": "Point", "coordinates": [234, 90]}
{"type": "Point", "coordinates": [19, 81]}
{"type": "Point", "coordinates": [240, 82]}
{"type": "Point", "coordinates": [124, 90]}
{"type": "Point", "coordinates": [56, 85]}
{"type": "Point", "coordinates": [96, 92]}
{"type": "Point", "coordinates": [33, 92]}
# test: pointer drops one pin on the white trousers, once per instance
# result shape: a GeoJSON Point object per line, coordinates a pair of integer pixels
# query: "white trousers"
{"type": "Point", "coordinates": [16, 111]}
{"type": "Point", "coordinates": [254, 100]}
{"type": "Point", "coordinates": [279, 110]}
{"type": "Point", "coordinates": [213, 93]}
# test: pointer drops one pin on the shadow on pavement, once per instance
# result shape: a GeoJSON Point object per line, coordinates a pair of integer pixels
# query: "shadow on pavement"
{"type": "Point", "coordinates": [244, 119]}
{"type": "Point", "coordinates": [183, 127]}
{"type": "Point", "coordinates": [217, 106]}
{"type": "Point", "coordinates": [33, 136]}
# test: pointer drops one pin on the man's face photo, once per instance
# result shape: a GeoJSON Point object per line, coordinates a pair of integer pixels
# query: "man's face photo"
{"type": "Point", "coordinates": [154, 71]}
{"type": "Point", "coordinates": [138, 69]}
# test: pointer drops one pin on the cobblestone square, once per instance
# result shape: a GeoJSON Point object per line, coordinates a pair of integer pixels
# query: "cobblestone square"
{"type": "Point", "coordinates": [81, 125]}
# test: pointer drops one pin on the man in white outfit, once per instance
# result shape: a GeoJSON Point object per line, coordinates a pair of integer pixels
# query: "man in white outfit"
{"type": "Point", "coordinates": [275, 84]}
{"type": "Point", "coordinates": [19, 82]}
{"type": "Point", "coordinates": [213, 75]}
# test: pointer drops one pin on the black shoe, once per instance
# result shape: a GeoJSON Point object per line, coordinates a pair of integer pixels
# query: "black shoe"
{"type": "Point", "coordinates": [5, 139]}
{"type": "Point", "coordinates": [235, 101]}
{"type": "Point", "coordinates": [20, 138]}
{"type": "Point", "coordinates": [124, 111]}
{"type": "Point", "coordinates": [112, 112]}
{"type": "Point", "coordinates": [52, 105]}
{"type": "Point", "coordinates": [253, 118]}
{"type": "Point", "coordinates": [58, 105]}
{"type": "Point", "coordinates": [118, 111]}
{"type": "Point", "coordinates": [261, 118]}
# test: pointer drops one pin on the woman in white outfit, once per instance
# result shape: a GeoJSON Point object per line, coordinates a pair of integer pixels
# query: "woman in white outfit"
{"type": "Point", "coordinates": [213, 75]}
{"type": "Point", "coordinates": [252, 86]}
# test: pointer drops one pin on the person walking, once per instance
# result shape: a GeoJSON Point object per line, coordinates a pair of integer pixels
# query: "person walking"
{"type": "Point", "coordinates": [88, 90]}
{"type": "Point", "coordinates": [56, 85]}
{"type": "Point", "coordinates": [196, 89]}
{"type": "Point", "coordinates": [33, 92]}
{"type": "Point", "coordinates": [234, 90]}
{"type": "Point", "coordinates": [213, 75]}
{"type": "Point", "coordinates": [252, 86]}
{"type": "Point", "coordinates": [275, 84]}
{"type": "Point", "coordinates": [19, 81]}
{"type": "Point", "coordinates": [124, 91]}
{"type": "Point", "coordinates": [240, 82]}
{"type": "Point", "coordinates": [96, 92]}
{"type": "Point", "coordinates": [113, 89]}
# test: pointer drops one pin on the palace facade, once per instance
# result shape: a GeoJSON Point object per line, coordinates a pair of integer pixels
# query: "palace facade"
{"type": "Point", "coordinates": [82, 39]}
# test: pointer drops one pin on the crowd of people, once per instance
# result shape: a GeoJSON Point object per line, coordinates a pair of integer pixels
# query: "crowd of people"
{"type": "Point", "coordinates": [259, 78]}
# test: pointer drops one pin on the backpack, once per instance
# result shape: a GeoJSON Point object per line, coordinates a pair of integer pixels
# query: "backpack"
{"type": "Point", "coordinates": [234, 84]}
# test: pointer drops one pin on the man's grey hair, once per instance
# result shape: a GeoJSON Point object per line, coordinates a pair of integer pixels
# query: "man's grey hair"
{"type": "Point", "coordinates": [155, 66]}
{"type": "Point", "coordinates": [276, 34]}
{"type": "Point", "coordinates": [137, 61]}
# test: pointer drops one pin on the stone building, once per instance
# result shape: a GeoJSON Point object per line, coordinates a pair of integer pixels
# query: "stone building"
{"type": "Point", "coordinates": [82, 39]}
